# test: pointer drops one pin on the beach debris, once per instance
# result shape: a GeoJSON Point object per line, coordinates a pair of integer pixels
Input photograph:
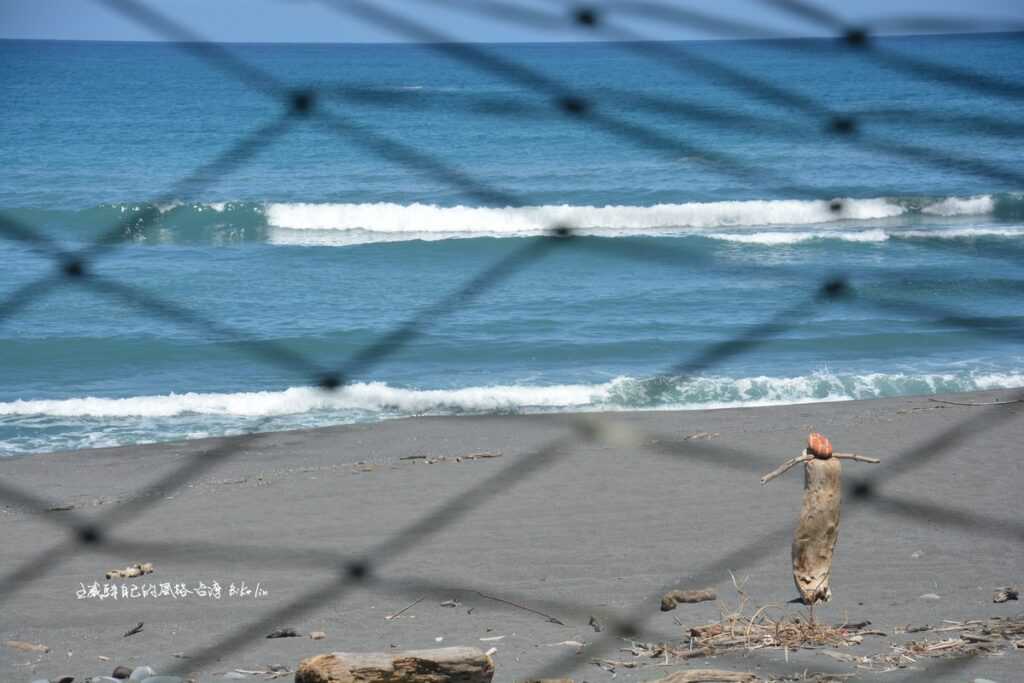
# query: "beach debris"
{"type": "Point", "coordinates": [284, 633]}
{"type": "Point", "coordinates": [930, 596]}
{"type": "Point", "coordinates": [1005, 594]}
{"type": "Point", "coordinates": [816, 534]}
{"type": "Point", "coordinates": [709, 676]}
{"type": "Point", "coordinates": [60, 508]}
{"type": "Point", "coordinates": [141, 673]}
{"type": "Point", "coordinates": [491, 639]}
{"type": "Point", "coordinates": [550, 618]}
{"type": "Point", "coordinates": [450, 603]}
{"type": "Point", "coordinates": [491, 651]}
{"type": "Point", "coordinates": [268, 672]}
{"type": "Point", "coordinates": [433, 460]}
{"type": "Point", "coordinates": [670, 600]}
{"type": "Point", "coordinates": [610, 665]}
{"type": "Point", "coordinates": [441, 665]}
{"type": "Point", "coordinates": [131, 571]}
{"type": "Point", "coordinates": [701, 436]}
{"type": "Point", "coordinates": [317, 635]}
{"type": "Point", "coordinates": [595, 624]}
{"type": "Point", "coordinates": [407, 607]}
{"type": "Point", "coordinates": [133, 630]}
{"type": "Point", "coordinates": [121, 671]}
{"type": "Point", "coordinates": [24, 646]}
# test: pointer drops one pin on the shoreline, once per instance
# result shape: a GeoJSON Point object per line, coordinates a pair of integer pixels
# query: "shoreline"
{"type": "Point", "coordinates": [597, 413]}
{"type": "Point", "coordinates": [604, 525]}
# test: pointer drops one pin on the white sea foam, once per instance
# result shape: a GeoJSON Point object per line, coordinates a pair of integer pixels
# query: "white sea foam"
{"type": "Point", "coordinates": [622, 393]}
{"type": "Point", "coordinates": [959, 206]}
{"type": "Point", "coordinates": [782, 238]}
{"type": "Point", "coordinates": [962, 233]}
{"type": "Point", "coordinates": [423, 219]}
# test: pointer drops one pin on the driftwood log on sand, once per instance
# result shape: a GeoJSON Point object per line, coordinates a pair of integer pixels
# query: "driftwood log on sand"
{"type": "Point", "coordinates": [673, 598]}
{"type": "Point", "coordinates": [818, 530]}
{"type": "Point", "coordinates": [441, 665]}
{"type": "Point", "coordinates": [709, 676]}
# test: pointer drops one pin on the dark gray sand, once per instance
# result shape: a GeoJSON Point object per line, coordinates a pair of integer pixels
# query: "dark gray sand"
{"type": "Point", "coordinates": [590, 529]}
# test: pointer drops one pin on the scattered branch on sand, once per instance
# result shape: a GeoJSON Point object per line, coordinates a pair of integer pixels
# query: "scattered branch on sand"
{"type": "Point", "coordinates": [550, 618]}
{"type": "Point", "coordinates": [673, 598]}
{"type": "Point", "coordinates": [135, 629]}
{"type": "Point", "coordinates": [131, 571]}
{"type": "Point", "coordinates": [433, 460]}
{"type": "Point", "coordinates": [985, 403]}
{"type": "Point", "coordinates": [407, 607]}
{"type": "Point", "coordinates": [269, 673]}
{"type": "Point", "coordinates": [22, 646]}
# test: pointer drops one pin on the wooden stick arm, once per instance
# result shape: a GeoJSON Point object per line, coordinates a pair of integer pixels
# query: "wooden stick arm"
{"type": "Point", "coordinates": [786, 466]}
{"type": "Point", "coordinates": [805, 456]}
{"type": "Point", "coordinates": [857, 457]}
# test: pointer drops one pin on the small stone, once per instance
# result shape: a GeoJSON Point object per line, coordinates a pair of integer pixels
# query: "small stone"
{"type": "Point", "coordinates": [317, 635]}
{"type": "Point", "coordinates": [64, 679]}
{"type": "Point", "coordinates": [104, 679]}
{"type": "Point", "coordinates": [121, 672]}
{"type": "Point", "coordinates": [141, 673]}
{"type": "Point", "coordinates": [1005, 594]}
{"type": "Point", "coordinates": [930, 596]}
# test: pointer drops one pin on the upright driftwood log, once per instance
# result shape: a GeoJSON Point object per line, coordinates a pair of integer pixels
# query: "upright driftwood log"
{"type": "Point", "coordinates": [442, 665]}
{"type": "Point", "coordinates": [816, 535]}
{"type": "Point", "coordinates": [818, 530]}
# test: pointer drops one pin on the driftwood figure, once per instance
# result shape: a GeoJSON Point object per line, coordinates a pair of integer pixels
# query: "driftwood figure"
{"type": "Point", "coordinates": [815, 538]}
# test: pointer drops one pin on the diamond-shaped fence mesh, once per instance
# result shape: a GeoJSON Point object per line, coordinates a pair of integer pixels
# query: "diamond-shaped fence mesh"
{"type": "Point", "coordinates": [297, 104]}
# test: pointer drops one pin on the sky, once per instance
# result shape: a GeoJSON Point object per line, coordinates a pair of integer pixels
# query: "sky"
{"type": "Point", "coordinates": [324, 21]}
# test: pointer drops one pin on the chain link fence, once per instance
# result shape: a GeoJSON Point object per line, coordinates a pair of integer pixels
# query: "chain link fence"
{"type": "Point", "coordinates": [292, 105]}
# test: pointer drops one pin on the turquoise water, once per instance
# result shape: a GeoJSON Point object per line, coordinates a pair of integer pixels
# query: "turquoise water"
{"type": "Point", "coordinates": [321, 247]}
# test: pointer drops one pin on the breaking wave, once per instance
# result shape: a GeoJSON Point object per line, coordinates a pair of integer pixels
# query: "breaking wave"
{"type": "Point", "coordinates": [345, 224]}
{"type": "Point", "coordinates": [623, 393]}
{"type": "Point", "coordinates": [93, 422]}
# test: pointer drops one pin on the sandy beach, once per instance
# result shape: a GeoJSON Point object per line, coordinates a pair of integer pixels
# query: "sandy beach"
{"type": "Point", "coordinates": [589, 528]}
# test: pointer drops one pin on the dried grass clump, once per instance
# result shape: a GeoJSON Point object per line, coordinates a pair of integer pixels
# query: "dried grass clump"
{"type": "Point", "coordinates": [768, 626]}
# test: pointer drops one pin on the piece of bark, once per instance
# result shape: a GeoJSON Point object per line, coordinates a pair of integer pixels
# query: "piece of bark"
{"type": "Point", "coordinates": [23, 646]}
{"type": "Point", "coordinates": [673, 598]}
{"type": "Point", "coordinates": [710, 676]}
{"type": "Point", "coordinates": [442, 665]}
{"type": "Point", "coordinates": [816, 535]}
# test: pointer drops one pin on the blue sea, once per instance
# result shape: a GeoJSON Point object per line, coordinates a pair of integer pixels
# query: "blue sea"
{"type": "Point", "coordinates": [320, 246]}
